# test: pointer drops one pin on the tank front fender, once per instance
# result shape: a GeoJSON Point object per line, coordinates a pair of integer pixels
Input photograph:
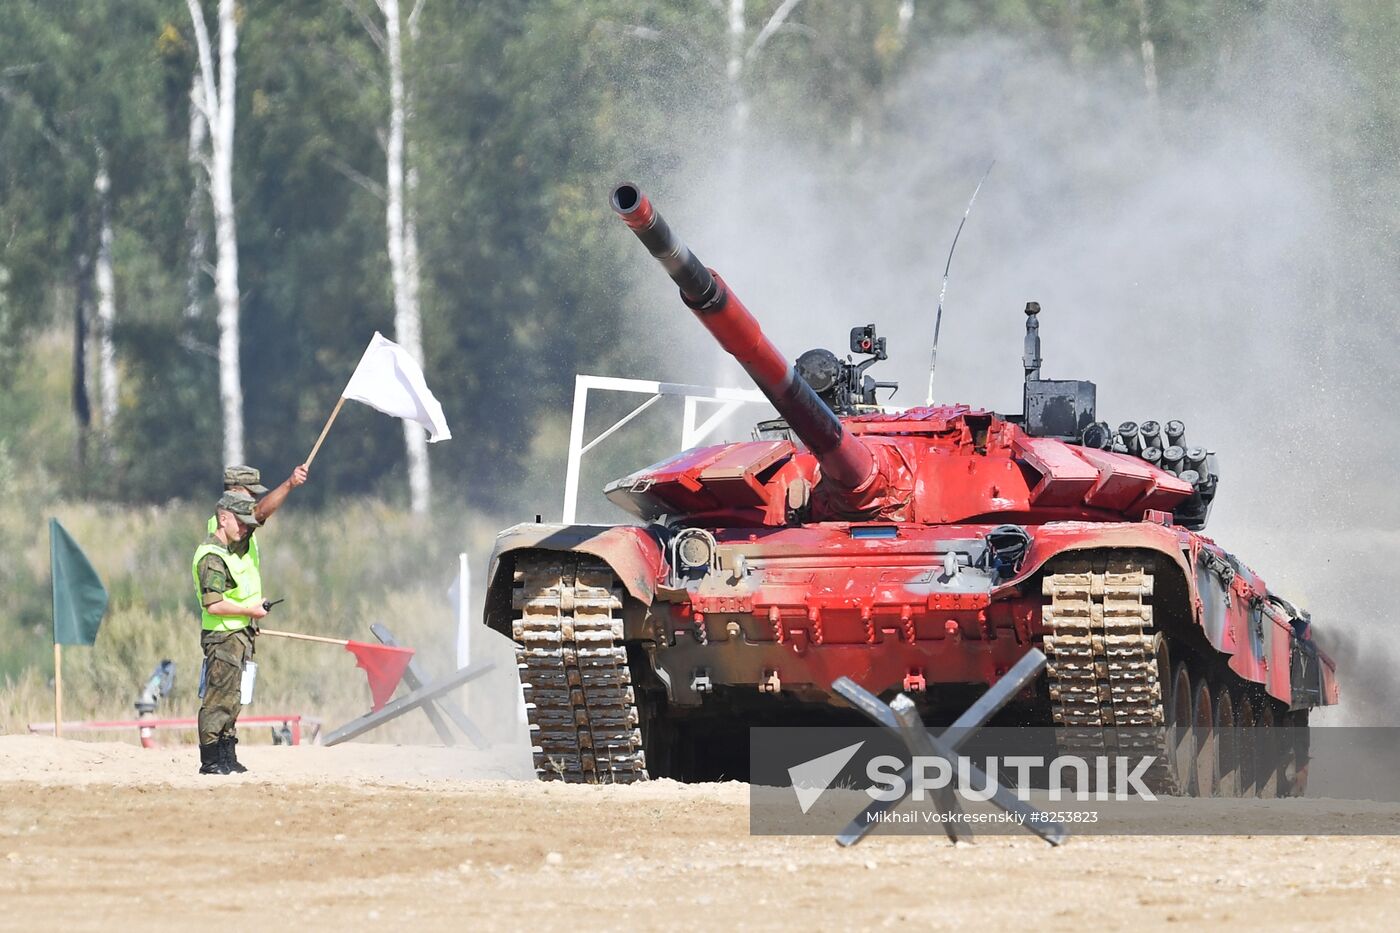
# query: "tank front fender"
{"type": "Point", "coordinates": [1232, 612]}
{"type": "Point", "coordinates": [1059, 538]}
{"type": "Point", "coordinates": [635, 554]}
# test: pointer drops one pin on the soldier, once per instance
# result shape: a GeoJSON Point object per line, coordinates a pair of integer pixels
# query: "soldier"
{"type": "Point", "coordinates": [229, 587]}
{"type": "Point", "coordinates": [244, 481]}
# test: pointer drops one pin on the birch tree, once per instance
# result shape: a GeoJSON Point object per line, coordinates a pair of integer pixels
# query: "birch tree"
{"type": "Point", "coordinates": [410, 228]}
{"type": "Point", "coordinates": [906, 16]}
{"type": "Point", "coordinates": [196, 232]}
{"type": "Point", "coordinates": [742, 53]}
{"type": "Point", "coordinates": [104, 281]}
{"type": "Point", "coordinates": [401, 180]}
{"type": "Point", "coordinates": [217, 109]}
{"type": "Point", "coordinates": [408, 326]}
{"type": "Point", "coordinates": [82, 305]}
{"type": "Point", "coordinates": [1149, 53]}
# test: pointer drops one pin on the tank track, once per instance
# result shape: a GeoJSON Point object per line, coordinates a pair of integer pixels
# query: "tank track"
{"type": "Point", "coordinates": [578, 691]}
{"type": "Point", "coordinates": [1100, 649]}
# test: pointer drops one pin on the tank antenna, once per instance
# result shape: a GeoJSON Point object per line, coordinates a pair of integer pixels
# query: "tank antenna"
{"type": "Point", "coordinates": [938, 319]}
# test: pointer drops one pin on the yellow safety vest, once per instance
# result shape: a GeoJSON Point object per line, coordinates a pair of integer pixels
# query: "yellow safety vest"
{"type": "Point", "coordinates": [247, 586]}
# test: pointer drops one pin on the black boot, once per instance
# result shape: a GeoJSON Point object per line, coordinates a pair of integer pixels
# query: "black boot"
{"type": "Point", "coordinates": [211, 759]}
{"type": "Point", "coordinates": [230, 756]}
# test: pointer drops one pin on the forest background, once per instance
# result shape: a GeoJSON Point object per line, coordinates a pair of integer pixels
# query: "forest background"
{"type": "Point", "coordinates": [1202, 195]}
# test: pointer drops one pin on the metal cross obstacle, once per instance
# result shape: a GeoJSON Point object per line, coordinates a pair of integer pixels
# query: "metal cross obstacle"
{"type": "Point", "coordinates": [901, 717]}
{"type": "Point", "coordinates": [425, 696]}
{"type": "Point", "coordinates": [691, 432]}
{"type": "Point", "coordinates": [433, 708]}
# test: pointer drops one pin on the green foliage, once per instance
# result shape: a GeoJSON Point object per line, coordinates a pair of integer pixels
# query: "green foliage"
{"type": "Point", "coordinates": [73, 79]}
{"type": "Point", "coordinates": [524, 114]}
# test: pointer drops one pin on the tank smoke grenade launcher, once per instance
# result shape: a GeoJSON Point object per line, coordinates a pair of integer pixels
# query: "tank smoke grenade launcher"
{"type": "Point", "coordinates": [922, 551]}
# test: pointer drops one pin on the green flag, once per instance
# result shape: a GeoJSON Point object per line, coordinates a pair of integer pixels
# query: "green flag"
{"type": "Point", "coordinates": [79, 598]}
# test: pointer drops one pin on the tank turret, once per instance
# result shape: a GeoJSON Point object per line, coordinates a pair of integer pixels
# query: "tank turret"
{"type": "Point", "coordinates": [844, 459]}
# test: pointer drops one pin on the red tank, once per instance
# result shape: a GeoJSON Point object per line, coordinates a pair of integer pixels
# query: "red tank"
{"type": "Point", "coordinates": [921, 551]}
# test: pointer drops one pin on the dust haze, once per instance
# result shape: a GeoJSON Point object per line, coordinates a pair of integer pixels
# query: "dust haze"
{"type": "Point", "coordinates": [1193, 257]}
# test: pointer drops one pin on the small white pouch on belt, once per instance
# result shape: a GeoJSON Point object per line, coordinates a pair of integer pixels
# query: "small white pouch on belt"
{"type": "Point", "coordinates": [245, 686]}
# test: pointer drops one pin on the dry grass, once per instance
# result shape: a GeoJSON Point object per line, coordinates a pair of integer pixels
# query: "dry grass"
{"type": "Point", "coordinates": [340, 571]}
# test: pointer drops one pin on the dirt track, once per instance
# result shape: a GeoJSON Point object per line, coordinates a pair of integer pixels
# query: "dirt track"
{"type": "Point", "coordinates": [113, 837]}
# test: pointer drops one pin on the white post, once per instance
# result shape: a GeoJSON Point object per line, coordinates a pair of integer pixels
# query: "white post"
{"type": "Point", "coordinates": [688, 423]}
{"type": "Point", "coordinates": [464, 612]}
{"type": "Point", "coordinates": [703, 430]}
{"type": "Point", "coordinates": [464, 621]}
{"type": "Point", "coordinates": [575, 450]}
{"type": "Point", "coordinates": [727, 399]}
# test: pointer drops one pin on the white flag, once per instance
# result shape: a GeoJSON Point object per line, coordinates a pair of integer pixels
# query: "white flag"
{"type": "Point", "coordinates": [390, 380]}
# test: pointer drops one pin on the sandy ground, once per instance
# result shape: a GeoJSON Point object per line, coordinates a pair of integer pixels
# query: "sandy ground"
{"type": "Point", "coordinates": [113, 837]}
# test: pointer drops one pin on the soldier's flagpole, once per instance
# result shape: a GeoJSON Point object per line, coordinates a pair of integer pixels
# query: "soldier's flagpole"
{"type": "Point", "coordinates": [343, 642]}
{"type": "Point", "coordinates": [57, 690]}
{"type": "Point", "coordinates": [335, 411]}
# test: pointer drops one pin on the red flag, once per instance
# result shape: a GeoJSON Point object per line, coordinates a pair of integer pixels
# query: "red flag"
{"type": "Point", "coordinates": [384, 666]}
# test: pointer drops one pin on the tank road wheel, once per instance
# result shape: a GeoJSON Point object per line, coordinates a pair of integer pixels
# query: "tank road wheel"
{"type": "Point", "coordinates": [1182, 737]}
{"type": "Point", "coordinates": [1176, 774]}
{"type": "Point", "coordinates": [1266, 751]}
{"type": "Point", "coordinates": [1227, 743]}
{"type": "Point", "coordinates": [1246, 749]}
{"type": "Point", "coordinates": [573, 670]}
{"type": "Point", "coordinates": [1294, 780]}
{"type": "Point", "coordinates": [1207, 777]}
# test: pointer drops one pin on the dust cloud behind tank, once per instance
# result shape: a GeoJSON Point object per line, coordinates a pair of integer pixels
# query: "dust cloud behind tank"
{"type": "Point", "coordinates": [922, 550]}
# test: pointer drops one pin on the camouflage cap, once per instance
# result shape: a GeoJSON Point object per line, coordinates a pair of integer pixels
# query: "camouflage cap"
{"type": "Point", "coordinates": [245, 476]}
{"type": "Point", "coordinates": [241, 505]}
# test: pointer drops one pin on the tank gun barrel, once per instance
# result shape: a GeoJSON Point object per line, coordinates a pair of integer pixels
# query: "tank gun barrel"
{"type": "Point", "coordinates": [844, 459]}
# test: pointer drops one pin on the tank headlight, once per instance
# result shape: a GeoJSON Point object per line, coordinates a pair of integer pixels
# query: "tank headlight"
{"type": "Point", "coordinates": [694, 551]}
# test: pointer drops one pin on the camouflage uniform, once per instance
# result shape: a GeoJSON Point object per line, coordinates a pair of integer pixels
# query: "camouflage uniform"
{"type": "Point", "coordinates": [224, 654]}
{"type": "Point", "coordinates": [221, 574]}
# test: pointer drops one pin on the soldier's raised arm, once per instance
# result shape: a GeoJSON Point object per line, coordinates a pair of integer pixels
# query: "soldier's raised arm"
{"type": "Point", "coordinates": [273, 500]}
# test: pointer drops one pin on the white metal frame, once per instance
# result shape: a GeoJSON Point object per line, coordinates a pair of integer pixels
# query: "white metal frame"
{"type": "Point", "coordinates": [691, 432]}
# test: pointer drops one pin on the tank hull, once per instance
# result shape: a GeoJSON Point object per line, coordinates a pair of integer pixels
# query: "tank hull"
{"type": "Point", "coordinates": [780, 614]}
{"type": "Point", "coordinates": [818, 602]}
